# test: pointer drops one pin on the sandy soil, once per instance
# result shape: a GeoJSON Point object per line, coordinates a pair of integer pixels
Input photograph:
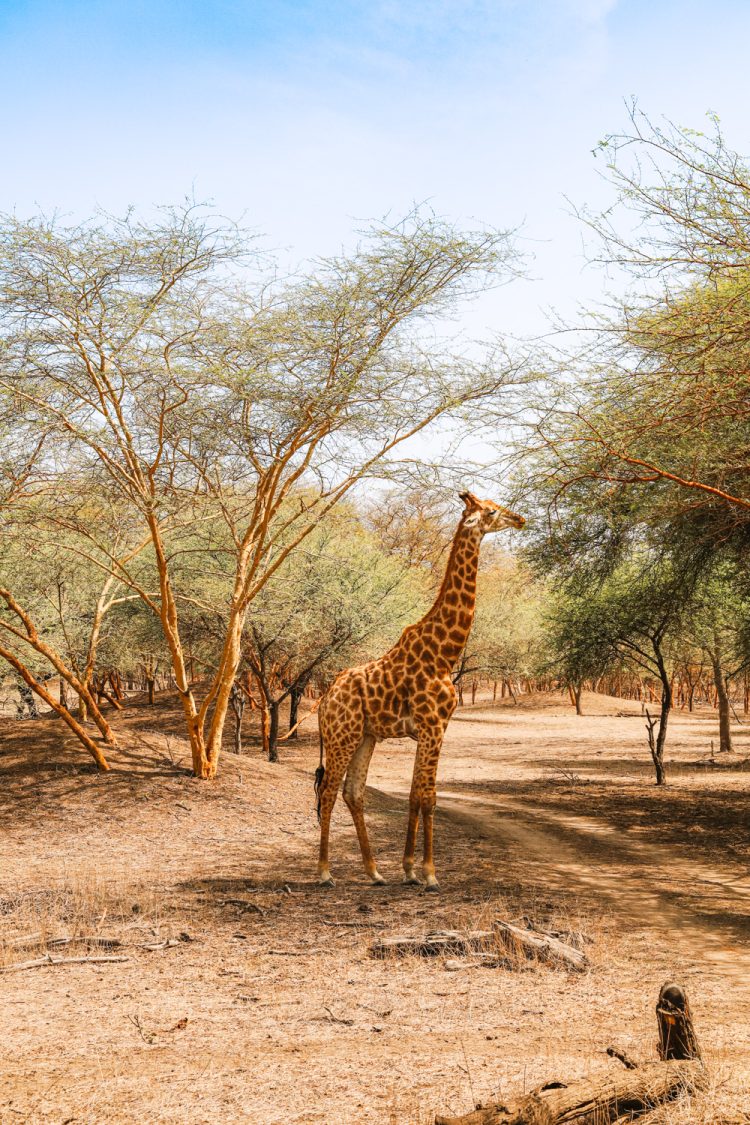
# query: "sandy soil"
{"type": "Point", "coordinates": [268, 1008]}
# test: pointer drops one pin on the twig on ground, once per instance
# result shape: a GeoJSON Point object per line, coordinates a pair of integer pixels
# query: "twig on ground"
{"type": "Point", "coordinates": [243, 904]}
{"type": "Point", "coordinates": [147, 1036]}
{"type": "Point", "coordinates": [26, 939]}
{"type": "Point", "coordinates": [353, 925]}
{"type": "Point", "coordinates": [78, 939]}
{"type": "Point", "coordinates": [293, 952]}
{"type": "Point", "coordinates": [85, 939]}
{"type": "Point", "coordinates": [624, 1058]}
{"type": "Point", "coordinates": [567, 774]}
{"type": "Point", "coordinates": [42, 961]}
{"type": "Point", "coordinates": [337, 1019]}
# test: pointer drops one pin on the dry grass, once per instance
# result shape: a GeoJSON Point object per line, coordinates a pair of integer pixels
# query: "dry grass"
{"type": "Point", "coordinates": [82, 910]}
{"type": "Point", "coordinates": [276, 1012]}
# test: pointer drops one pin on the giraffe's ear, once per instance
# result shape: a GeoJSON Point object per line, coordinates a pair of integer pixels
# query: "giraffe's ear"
{"type": "Point", "coordinates": [470, 500]}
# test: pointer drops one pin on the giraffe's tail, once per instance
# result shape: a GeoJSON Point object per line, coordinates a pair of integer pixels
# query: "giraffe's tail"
{"type": "Point", "coordinates": [319, 773]}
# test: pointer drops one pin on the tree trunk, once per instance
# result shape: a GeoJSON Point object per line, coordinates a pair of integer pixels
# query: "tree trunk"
{"type": "Point", "coordinates": [221, 689]}
{"type": "Point", "coordinates": [722, 696]}
{"type": "Point", "coordinates": [57, 707]}
{"type": "Point", "coordinates": [576, 691]}
{"type": "Point", "coordinates": [295, 698]}
{"type": "Point", "coordinates": [237, 700]}
{"type": "Point", "coordinates": [151, 688]}
{"type": "Point", "coordinates": [167, 614]}
{"type": "Point", "coordinates": [27, 699]}
{"type": "Point", "coordinates": [115, 680]}
{"type": "Point", "coordinates": [273, 730]}
{"type": "Point", "coordinates": [40, 645]}
{"type": "Point", "coordinates": [64, 693]}
{"type": "Point", "coordinates": [656, 745]}
{"type": "Point", "coordinates": [265, 723]}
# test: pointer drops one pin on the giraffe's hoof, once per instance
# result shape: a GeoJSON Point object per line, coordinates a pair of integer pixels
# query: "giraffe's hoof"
{"type": "Point", "coordinates": [326, 882]}
{"type": "Point", "coordinates": [432, 888]}
{"type": "Point", "coordinates": [377, 880]}
{"type": "Point", "coordinates": [411, 881]}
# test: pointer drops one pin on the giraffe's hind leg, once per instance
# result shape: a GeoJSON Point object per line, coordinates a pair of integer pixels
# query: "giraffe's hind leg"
{"type": "Point", "coordinates": [354, 795]}
{"type": "Point", "coordinates": [327, 794]}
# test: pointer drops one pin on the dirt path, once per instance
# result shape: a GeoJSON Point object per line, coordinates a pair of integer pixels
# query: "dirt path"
{"type": "Point", "coordinates": [642, 883]}
{"type": "Point", "coordinates": [700, 904]}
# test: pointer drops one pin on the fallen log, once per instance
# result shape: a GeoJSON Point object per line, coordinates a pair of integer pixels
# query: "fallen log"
{"type": "Point", "coordinates": [591, 1101]}
{"type": "Point", "coordinates": [501, 946]}
{"type": "Point", "coordinates": [436, 943]}
{"type": "Point", "coordinates": [536, 946]}
{"type": "Point", "coordinates": [614, 1097]}
{"type": "Point", "coordinates": [576, 938]}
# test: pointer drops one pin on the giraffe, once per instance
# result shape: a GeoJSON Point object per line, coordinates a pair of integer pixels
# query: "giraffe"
{"type": "Point", "coordinates": [407, 692]}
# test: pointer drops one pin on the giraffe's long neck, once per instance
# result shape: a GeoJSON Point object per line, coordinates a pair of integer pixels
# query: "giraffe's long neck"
{"type": "Point", "coordinates": [447, 625]}
{"type": "Point", "coordinates": [459, 587]}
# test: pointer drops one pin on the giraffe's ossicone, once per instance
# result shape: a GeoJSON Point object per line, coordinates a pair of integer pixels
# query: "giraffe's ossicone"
{"type": "Point", "coordinates": [407, 692]}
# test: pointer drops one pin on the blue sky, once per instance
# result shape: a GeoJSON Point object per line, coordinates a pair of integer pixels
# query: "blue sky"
{"type": "Point", "coordinates": [308, 117]}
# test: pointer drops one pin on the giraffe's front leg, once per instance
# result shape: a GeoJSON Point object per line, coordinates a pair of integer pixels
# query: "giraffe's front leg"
{"type": "Point", "coordinates": [429, 800]}
{"type": "Point", "coordinates": [422, 800]}
{"type": "Point", "coordinates": [410, 876]}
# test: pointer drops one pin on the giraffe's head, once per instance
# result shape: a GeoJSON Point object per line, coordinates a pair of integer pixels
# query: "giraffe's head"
{"type": "Point", "coordinates": [487, 516]}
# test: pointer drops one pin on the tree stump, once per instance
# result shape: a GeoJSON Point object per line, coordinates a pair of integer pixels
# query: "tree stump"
{"type": "Point", "coordinates": [677, 1038]}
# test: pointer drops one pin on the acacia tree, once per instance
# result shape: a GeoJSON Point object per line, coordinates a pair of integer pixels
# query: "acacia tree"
{"type": "Point", "coordinates": [189, 396]}
{"type": "Point", "coordinates": [656, 401]}
{"type": "Point", "coordinates": [416, 525]}
{"type": "Point", "coordinates": [634, 614]}
{"type": "Point", "coordinates": [716, 627]}
{"type": "Point", "coordinates": [342, 600]}
{"type": "Point", "coordinates": [580, 646]}
{"type": "Point", "coordinates": [41, 634]}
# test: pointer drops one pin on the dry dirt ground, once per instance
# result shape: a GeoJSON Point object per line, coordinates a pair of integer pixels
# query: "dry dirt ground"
{"type": "Point", "coordinates": [267, 1008]}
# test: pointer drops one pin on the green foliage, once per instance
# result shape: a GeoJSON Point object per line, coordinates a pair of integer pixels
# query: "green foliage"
{"type": "Point", "coordinates": [632, 615]}
{"type": "Point", "coordinates": [343, 600]}
{"type": "Point", "coordinates": [507, 639]}
{"type": "Point", "coordinates": [648, 425]}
